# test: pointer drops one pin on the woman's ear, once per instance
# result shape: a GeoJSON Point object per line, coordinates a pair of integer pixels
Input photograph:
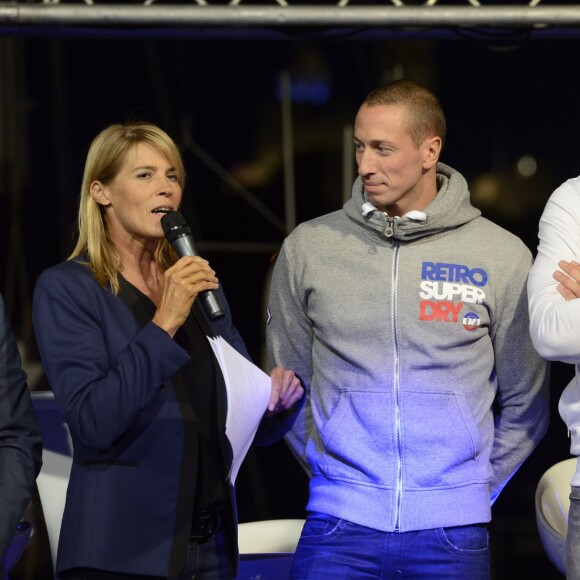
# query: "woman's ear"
{"type": "Point", "coordinates": [99, 192]}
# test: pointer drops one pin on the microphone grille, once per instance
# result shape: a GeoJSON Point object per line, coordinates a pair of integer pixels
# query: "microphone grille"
{"type": "Point", "coordinates": [172, 220]}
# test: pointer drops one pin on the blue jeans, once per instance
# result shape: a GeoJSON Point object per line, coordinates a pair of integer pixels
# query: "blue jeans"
{"type": "Point", "coordinates": [206, 561]}
{"type": "Point", "coordinates": [333, 548]}
{"type": "Point", "coordinates": [573, 536]}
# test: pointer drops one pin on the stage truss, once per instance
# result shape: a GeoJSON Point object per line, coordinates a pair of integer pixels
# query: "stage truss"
{"type": "Point", "coordinates": [279, 16]}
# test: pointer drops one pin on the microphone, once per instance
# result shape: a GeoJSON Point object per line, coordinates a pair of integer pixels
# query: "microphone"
{"type": "Point", "coordinates": [179, 236]}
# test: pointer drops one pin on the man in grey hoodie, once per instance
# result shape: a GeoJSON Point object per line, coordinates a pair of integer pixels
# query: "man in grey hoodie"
{"type": "Point", "coordinates": [405, 316]}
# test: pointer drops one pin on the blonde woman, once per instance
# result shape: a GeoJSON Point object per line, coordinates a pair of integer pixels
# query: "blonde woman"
{"type": "Point", "coordinates": [123, 343]}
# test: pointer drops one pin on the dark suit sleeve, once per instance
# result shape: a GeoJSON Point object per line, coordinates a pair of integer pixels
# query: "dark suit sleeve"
{"type": "Point", "coordinates": [103, 370]}
{"type": "Point", "coordinates": [20, 440]}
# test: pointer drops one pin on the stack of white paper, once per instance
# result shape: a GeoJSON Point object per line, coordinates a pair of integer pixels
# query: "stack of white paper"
{"type": "Point", "coordinates": [248, 392]}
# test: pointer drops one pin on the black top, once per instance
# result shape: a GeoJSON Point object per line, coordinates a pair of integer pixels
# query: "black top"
{"type": "Point", "coordinates": [197, 377]}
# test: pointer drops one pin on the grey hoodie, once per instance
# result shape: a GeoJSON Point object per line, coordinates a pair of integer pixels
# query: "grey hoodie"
{"type": "Point", "coordinates": [404, 331]}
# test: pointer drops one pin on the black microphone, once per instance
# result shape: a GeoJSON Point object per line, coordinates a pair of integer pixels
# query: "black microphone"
{"type": "Point", "coordinates": [179, 236]}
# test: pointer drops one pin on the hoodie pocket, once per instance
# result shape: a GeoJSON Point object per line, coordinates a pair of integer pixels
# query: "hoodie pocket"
{"type": "Point", "coordinates": [440, 440]}
{"type": "Point", "coordinates": [356, 442]}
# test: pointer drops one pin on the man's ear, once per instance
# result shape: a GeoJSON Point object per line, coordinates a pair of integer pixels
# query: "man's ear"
{"type": "Point", "coordinates": [432, 150]}
{"type": "Point", "coordinates": [99, 192]}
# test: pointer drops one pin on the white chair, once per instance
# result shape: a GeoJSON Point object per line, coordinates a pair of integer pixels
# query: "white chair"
{"type": "Point", "coordinates": [53, 479]}
{"type": "Point", "coordinates": [267, 548]}
{"type": "Point", "coordinates": [552, 505]}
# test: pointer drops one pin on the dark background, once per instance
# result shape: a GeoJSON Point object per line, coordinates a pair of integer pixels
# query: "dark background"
{"type": "Point", "coordinates": [506, 95]}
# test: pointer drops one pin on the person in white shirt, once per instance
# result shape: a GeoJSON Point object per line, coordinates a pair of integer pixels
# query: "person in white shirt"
{"type": "Point", "coordinates": [553, 291]}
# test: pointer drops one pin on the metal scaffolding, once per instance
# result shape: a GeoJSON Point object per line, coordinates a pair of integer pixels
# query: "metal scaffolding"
{"type": "Point", "coordinates": [282, 15]}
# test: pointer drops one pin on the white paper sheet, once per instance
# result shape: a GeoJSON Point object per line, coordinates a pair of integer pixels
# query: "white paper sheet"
{"type": "Point", "coordinates": [248, 392]}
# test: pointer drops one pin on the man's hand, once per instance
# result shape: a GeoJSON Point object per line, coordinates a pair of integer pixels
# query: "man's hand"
{"type": "Point", "coordinates": [286, 390]}
{"type": "Point", "coordinates": [569, 278]}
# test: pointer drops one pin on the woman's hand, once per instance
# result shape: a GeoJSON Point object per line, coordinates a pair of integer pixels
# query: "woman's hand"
{"type": "Point", "coordinates": [189, 276]}
{"type": "Point", "coordinates": [286, 390]}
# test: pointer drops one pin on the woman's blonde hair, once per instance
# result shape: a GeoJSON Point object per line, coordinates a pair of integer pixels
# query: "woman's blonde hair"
{"type": "Point", "coordinates": [104, 161]}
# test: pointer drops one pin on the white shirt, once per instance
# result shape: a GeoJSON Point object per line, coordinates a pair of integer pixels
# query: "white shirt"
{"type": "Point", "coordinates": [555, 322]}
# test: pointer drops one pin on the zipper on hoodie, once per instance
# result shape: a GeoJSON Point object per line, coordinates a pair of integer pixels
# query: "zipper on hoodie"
{"type": "Point", "coordinates": [390, 227]}
{"type": "Point", "coordinates": [396, 385]}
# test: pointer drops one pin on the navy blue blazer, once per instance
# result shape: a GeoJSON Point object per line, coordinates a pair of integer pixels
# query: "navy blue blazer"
{"type": "Point", "coordinates": [129, 501]}
{"type": "Point", "coordinates": [20, 439]}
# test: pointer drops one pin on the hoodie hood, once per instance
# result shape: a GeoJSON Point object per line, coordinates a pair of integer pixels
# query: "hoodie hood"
{"type": "Point", "coordinates": [451, 208]}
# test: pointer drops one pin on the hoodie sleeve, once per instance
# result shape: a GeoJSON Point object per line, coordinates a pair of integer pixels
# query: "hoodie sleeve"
{"type": "Point", "coordinates": [289, 339]}
{"type": "Point", "coordinates": [554, 322]}
{"type": "Point", "coordinates": [522, 402]}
